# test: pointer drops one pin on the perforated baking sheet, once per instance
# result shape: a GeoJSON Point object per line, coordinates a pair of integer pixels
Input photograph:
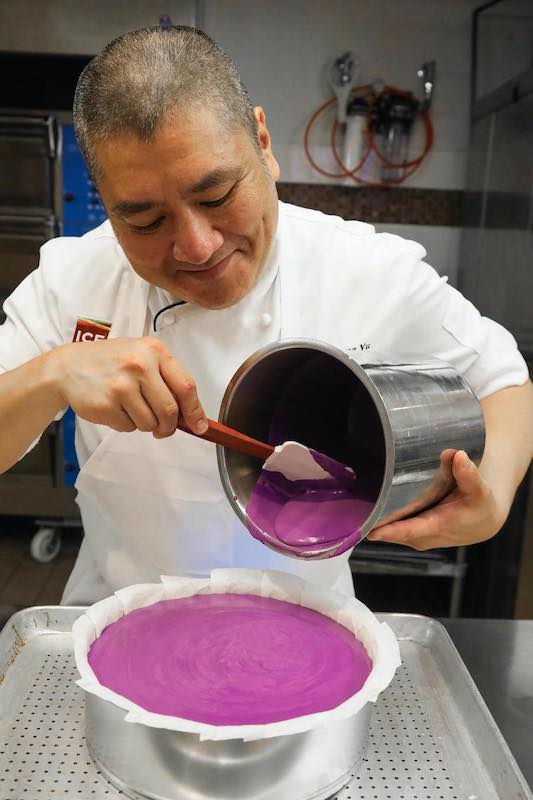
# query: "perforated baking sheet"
{"type": "Point", "coordinates": [431, 737]}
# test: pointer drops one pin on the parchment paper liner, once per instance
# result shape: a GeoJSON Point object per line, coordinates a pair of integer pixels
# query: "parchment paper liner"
{"type": "Point", "coordinates": [377, 637]}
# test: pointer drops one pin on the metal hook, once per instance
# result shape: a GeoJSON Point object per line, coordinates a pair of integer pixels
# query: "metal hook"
{"type": "Point", "coordinates": [344, 67]}
{"type": "Point", "coordinates": [427, 73]}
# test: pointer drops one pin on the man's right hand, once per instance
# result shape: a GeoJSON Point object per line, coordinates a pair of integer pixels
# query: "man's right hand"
{"type": "Point", "coordinates": [128, 384]}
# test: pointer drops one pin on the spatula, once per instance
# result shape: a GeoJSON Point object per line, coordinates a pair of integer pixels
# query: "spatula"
{"type": "Point", "coordinates": [292, 459]}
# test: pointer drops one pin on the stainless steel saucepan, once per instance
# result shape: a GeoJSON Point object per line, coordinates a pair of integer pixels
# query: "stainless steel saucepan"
{"type": "Point", "coordinates": [391, 419]}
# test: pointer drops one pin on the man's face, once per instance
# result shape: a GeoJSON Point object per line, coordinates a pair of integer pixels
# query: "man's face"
{"type": "Point", "coordinates": [195, 209]}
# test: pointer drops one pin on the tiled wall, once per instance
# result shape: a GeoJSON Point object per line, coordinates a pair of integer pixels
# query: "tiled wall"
{"type": "Point", "coordinates": [399, 206]}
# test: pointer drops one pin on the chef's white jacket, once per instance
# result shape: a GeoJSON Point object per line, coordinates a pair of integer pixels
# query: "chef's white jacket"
{"type": "Point", "coordinates": [153, 507]}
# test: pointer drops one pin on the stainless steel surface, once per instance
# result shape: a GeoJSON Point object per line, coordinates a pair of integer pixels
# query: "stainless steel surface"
{"type": "Point", "coordinates": [30, 202]}
{"type": "Point", "coordinates": [431, 735]}
{"type": "Point", "coordinates": [27, 162]}
{"type": "Point", "coordinates": [499, 655]}
{"type": "Point", "coordinates": [35, 496]}
{"type": "Point", "coordinates": [33, 487]}
{"type": "Point", "coordinates": [391, 560]}
{"type": "Point", "coordinates": [149, 762]}
{"type": "Point", "coordinates": [21, 236]}
{"type": "Point", "coordinates": [389, 421]}
{"type": "Point", "coordinates": [29, 170]}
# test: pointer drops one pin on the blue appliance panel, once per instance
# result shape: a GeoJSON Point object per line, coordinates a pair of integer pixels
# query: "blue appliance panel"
{"type": "Point", "coordinates": [82, 207]}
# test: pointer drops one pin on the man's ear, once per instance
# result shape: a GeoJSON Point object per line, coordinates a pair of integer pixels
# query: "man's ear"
{"type": "Point", "coordinates": [265, 143]}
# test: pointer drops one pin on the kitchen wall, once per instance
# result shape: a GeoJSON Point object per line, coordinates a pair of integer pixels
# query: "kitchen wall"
{"type": "Point", "coordinates": [505, 42]}
{"type": "Point", "coordinates": [83, 26]}
{"type": "Point", "coordinates": [284, 49]}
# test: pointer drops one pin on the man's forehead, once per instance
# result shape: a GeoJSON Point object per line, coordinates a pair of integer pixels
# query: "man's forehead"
{"type": "Point", "coordinates": [197, 163]}
{"type": "Point", "coordinates": [178, 137]}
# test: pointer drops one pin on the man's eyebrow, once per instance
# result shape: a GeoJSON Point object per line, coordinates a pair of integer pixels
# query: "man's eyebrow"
{"type": "Point", "coordinates": [215, 178]}
{"type": "Point", "coordinates": [127, 208]}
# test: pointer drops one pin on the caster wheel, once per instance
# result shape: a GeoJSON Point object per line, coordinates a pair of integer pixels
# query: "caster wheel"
{"type": "Point", "coordinates": [45, 545]}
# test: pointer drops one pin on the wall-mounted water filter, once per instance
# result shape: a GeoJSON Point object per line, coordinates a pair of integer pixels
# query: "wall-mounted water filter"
{"type": "Point", "coordinates": [374, 123]}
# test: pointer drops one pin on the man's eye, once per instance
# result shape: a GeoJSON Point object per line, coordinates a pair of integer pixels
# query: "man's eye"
{"type": "Point", "coordinates": [147, 228]}
{"type": "Point", "coordinates": [220, 201]}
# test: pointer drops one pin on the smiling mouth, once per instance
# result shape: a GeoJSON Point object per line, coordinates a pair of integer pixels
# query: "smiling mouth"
{"type": "Point", "coordinates": [210, 272]}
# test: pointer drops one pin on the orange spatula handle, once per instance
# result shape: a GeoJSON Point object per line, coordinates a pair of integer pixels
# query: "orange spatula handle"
{"type": "Point", "coordinates": [228, 437]}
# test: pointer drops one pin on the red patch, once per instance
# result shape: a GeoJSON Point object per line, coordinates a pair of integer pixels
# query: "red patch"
{"type": "Point", "coordinates": [87, 330]}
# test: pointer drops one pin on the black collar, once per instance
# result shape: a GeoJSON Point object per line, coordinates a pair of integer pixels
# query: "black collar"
{"type": "Point", "coordinates": [167, 308]}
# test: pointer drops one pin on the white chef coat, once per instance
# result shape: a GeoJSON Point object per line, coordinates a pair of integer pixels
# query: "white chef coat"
{"type": "Point", "coordinates": [157, 506]}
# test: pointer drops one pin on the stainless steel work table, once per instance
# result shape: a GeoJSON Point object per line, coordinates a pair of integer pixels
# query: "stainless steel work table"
{"type": "Point", "coordinates": [430, 736]}
{"type": "Point", "coordinates": [499, 656]}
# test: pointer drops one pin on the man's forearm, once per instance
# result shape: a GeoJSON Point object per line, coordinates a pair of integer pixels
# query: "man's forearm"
{"type": "Point", "coordinates": [30, 398]}
{"type": "Point", "coordinates": [509, 445]}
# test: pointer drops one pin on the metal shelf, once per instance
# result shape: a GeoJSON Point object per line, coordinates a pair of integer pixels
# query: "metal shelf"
{"type": "Point", "coordinates": [383, 559]}
{"type": "Point", "coordinates": [439, 569]}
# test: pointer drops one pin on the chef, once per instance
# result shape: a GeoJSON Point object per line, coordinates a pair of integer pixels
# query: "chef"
{"type": "Point", "coordinates": [198, 266]}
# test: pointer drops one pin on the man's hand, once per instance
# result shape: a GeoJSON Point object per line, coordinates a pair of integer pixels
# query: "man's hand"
{"type": "Point", "coordinates": [469, 514]}
{"type": "Point", "coordinates": [477, 508]}
{"type": "Point", "coordinates": [128, 384]}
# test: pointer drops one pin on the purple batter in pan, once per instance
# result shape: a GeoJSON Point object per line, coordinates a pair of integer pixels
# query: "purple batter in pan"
{"type": "Point", "coordinates": [230, 659]}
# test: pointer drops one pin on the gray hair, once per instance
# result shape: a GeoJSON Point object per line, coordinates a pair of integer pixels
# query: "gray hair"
{"type": "Point", "coordinates": [144, 75]}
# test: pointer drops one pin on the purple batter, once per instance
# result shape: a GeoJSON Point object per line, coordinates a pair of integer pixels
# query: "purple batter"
{"type": "Point", "coordinates": [319, 407]}
{"type": "Point", "coordinates": [230, 659]}
{"type": "Point", "coordinates": [304, 516]}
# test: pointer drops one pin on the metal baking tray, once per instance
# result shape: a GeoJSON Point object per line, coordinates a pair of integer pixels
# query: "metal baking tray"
{"type": "Point", "coordinates": [431, 737]}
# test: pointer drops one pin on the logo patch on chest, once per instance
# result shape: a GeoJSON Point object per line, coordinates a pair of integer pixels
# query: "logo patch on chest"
{"type": "Point", "coordinates": [90, 330]}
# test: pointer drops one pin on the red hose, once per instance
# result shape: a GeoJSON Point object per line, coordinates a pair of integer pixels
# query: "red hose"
{"type": "Point", "coordinates": [306, 142]}
{"type": "Point", "coordinates": [409, 166]}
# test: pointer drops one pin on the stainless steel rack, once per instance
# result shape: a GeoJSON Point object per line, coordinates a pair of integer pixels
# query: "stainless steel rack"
{"type": "Point", "coordinates": [431, 735]}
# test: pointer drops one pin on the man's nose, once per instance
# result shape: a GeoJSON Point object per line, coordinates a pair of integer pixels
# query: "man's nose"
{"type": "Point", "coordinates": [195, 239]}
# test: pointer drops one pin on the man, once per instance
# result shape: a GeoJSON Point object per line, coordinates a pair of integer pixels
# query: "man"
{"type": "Point", "coordinates": [197, 268]}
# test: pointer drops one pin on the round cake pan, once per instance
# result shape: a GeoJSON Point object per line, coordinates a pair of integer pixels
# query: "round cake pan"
{"type": "Point", "coordinates": [147, 762]}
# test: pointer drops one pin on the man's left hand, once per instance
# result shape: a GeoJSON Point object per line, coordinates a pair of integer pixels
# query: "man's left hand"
{"type": "Point", "coordinates": [470, 513]}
